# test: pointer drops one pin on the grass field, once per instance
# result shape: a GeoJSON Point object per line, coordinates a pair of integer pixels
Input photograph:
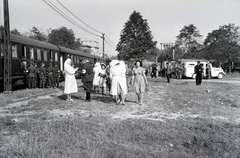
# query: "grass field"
{"type": "Point", "coordinates": [177, 119]}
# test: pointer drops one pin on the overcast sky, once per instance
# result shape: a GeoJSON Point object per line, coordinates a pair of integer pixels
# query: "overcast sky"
{"type": "Point", "coordinates": [165, 17]}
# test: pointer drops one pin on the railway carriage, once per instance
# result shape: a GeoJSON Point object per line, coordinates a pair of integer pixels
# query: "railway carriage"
{"type": "Point", "coordinates": [25, 50]}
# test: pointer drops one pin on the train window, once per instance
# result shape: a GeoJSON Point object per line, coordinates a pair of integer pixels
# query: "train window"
{"type": "Point", "coordinates": [39, 54]}
{"type": "Point", "coordinates": [75, 59]}
{"type": "Point", "coordinates": [51, 55]}
{"type": "Point", "coordinates": [56, 56]}
{"type": "Point", "coordinates": [1, 50]}
{"type": "Point", "coordinates": [14, 50]}
{"type": "Point", "coordinates": [31, 53]}
{"type": "Point", "coordinates": [24, 51]}
{"type": "Point", "coordinates": [45, 55]}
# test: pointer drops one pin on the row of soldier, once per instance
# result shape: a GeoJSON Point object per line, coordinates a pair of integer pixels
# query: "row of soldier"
{"type": "Point", "coordinates": [42, 76]}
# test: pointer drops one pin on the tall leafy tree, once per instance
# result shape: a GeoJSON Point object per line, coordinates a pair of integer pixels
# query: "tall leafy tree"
{"type": "Point", "coordinates": [36, 34]}
{"type": "Point", "coordinates": [63, 37]}
{"type": "Point", "coordinates": [136, 40]}
{"type": "Point", "coordinates": [16, 32]}
{"type": "Point", "coordinates": [223, 44]}
{"type": "Point", "coordinates": [188, 41]}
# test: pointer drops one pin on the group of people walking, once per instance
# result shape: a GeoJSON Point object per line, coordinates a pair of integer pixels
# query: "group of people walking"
{"type": "Point", "coordinates": [40, 77]}
{"type": "Point", "coordinates": [98, 77]}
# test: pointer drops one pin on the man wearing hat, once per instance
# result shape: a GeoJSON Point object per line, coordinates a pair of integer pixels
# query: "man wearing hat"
{"type": "Point", "coordinates": [42, 75]}
{"type": "Point", "coordinates": [87, 79]}
{"type": "Point", "coordinates": [50, 75]}
{"type": "Point", "coordinates": [198, 71]}
{"type": "Point", "coordinates": [32, 72]}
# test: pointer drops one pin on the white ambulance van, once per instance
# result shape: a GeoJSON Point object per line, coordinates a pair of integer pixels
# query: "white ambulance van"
{"type": "Point", "coordinates": [189, 64]}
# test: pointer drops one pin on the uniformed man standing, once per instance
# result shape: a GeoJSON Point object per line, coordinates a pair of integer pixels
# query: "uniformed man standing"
{"type": "Point", "coordinates": [50, 76]}
{"type": "Point", "coordinates": [36, 77]}
{"type": "Point", "coordinates": [32, 72]}
{"type": "Point", "coordinates": [56, 74]}
{"type": "Point", "coordinates": [42, 75]}
{"type": "Point", "coordinates": [178, 71]}
{"type": "Point", "coordinates": [198, 71]}
{"type": "Point", "coordinates": [168, 72]}
{"type": "Point", "coordinates": [209, 70]}
{"type": "Point", "coordinates": [87, 79]}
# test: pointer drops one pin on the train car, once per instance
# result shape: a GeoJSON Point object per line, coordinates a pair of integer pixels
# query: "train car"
{"type": "Point", "coordinates": [25, 50]}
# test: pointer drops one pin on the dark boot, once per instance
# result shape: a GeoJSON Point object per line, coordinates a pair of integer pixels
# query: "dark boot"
{"type": "Point", "coordinates": [89, 96]}
{"type": "Point", "coordinates": [86, 95]}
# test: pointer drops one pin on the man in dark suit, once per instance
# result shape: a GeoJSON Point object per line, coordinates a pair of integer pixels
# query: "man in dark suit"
{"type": "Point", "coordinates": [198, 71]}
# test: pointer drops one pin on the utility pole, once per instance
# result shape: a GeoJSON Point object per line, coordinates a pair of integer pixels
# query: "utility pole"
{"type": "Point", "coordinates": [7, 50]}
{"type": "Point", "coordinates": [103, 44]}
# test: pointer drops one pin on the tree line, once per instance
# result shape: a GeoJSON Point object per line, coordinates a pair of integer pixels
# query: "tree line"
{"type": "Point", "coordinates": [136, 41]}
{"type": "Point", "coordinates": [62, 36]}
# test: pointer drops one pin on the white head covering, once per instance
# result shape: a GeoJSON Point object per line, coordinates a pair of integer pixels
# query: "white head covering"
{"type": "Point", "coordinates": [113, 62]}
{"type": "Point", "coordinates": [97, 67]}
{"type": "Point", "coordinates": [67, 64]}
{"type": "Point", "coordinates": [68, 68]}
{"type": "Point", "coordinates": [97, 64]}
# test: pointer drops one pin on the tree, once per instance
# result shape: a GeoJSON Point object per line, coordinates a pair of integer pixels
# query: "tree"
{"type": "Point", "coordinates": [64, 37]}
{"type": "Point", "coordinates": [189, 41]}
{"type": "Point", "coordinates": [136, 40]}
{"type": "Point", "coordinates": [223, 44]}
{"type": "Point", "coordinates": [37, 35]}
{"type": "Point", "coordinates": [16, 32]}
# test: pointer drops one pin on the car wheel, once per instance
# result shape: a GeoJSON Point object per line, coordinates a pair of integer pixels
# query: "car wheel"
{"type": "Point", "coordinates": [220, 75]}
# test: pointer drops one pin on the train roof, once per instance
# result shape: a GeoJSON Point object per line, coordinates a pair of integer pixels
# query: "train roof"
{"type": "Point", "coordinates": [75, 52]}
{"type": "Point", "coordinates": [32, 42]}
{"type": "Point", "coordinates": [45, 45]}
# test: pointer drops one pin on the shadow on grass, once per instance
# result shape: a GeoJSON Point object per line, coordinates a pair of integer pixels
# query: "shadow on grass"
{"type": "Point", "coordinates": [75, 97]}
{"type": "Point", "coordinates": [109, 99]}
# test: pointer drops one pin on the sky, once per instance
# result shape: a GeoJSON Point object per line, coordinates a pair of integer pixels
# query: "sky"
{"type": "Point", "coordinates": [165, 18]}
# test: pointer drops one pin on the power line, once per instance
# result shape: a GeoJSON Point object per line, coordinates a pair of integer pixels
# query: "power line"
{"type": "Point", "coordinates": [83, 21]}
{"type": "Point", "coordinates": [110, 45]}
{"type": "Point", "coordinates": [56, 9]}
{"type": "Point", "coordinates": [77, 17]}
{"type": "Point", "coordinates": [106, 40]}
{"type": "Point", "coordinates": [52, 6]}
{"type": "Point", "coordinates": [110, 40]}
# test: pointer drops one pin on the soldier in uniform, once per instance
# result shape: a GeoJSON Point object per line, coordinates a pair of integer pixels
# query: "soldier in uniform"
{"type": "Point", "coordinates": [87, 79]}
{"type": "Point", "coordinates": [198, 71]}
{"type": "Point", "coordinates": [50, 76]}
{"type": "Point", "coordinates": [209, 67]}
{"type": "Point", "coordinates": [36, 76]}
{"type": "Point", "coordinates": [42, 75]}
{"type": "Point", "coordinates": [56, 74]}
{"type": "Point", "coordinates": [154, 71]}
{"type": "Point", "coordinates": [32, 72]}
{"type": "Point", "coordinates": [168, 72]}
{"type": "Point", "coordinates": [178, 71]}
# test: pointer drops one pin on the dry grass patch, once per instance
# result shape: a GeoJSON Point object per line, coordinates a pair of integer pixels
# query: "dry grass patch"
{"type": "Point", "coordinates": [177, 120]}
